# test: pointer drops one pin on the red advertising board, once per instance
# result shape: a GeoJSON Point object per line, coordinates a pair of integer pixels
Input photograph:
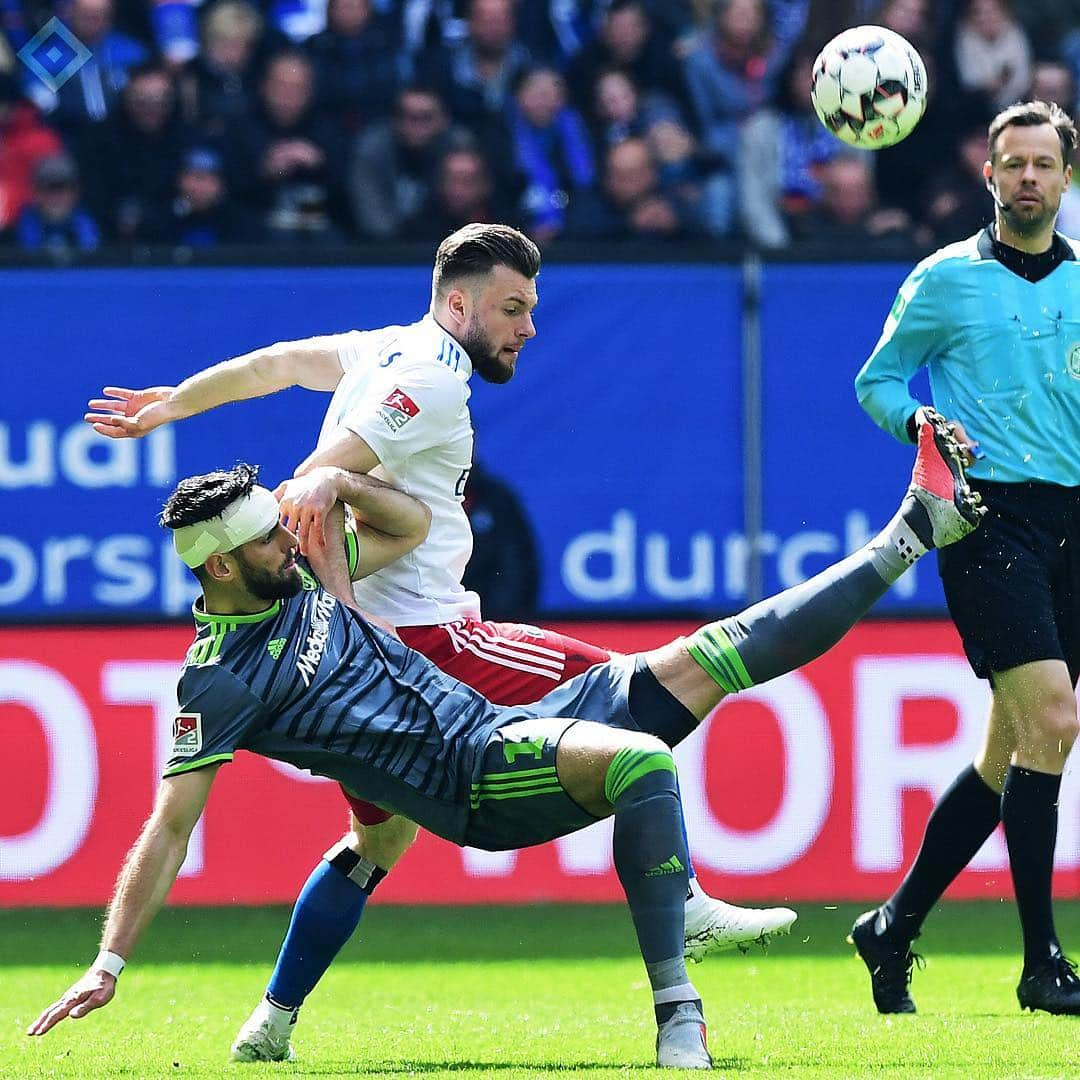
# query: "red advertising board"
{"type": "Point", "coordinates": [813, 787]}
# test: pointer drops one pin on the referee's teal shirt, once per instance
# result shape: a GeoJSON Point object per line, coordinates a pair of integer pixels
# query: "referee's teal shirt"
{"type": "Point", "coordinates": [1003, 355]}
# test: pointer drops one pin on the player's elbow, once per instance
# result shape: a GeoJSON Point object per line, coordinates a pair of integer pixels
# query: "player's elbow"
{"type": "Point", "coordinates": [278, 366]}
{"type": "Point", "coordinates": [421, 526]}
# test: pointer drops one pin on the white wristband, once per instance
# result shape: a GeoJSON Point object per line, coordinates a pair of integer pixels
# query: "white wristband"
{"type": "Point", "coordinates": [111, 962]}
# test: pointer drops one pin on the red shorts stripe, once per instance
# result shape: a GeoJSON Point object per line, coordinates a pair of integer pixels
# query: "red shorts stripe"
{"type": "Point", "coordinates": [509, 663]}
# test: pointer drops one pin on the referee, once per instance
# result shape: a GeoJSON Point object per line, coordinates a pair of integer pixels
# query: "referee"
{"type": "Point", "coordinates": [996, 320]}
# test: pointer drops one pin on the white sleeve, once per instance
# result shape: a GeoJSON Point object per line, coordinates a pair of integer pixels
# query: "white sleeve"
{"type": "Point", "coordinates": [355, 347]}
{"type": "Point", "coordinates": [404, 412]}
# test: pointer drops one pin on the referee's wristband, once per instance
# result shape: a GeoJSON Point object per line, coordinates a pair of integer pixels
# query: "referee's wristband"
{"type": "Point", "coordinates": [111, 962]}
{"type": "Point", "coordinates": [912, 426]}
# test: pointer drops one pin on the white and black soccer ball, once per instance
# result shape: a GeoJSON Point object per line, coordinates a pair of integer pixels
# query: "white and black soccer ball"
{"type": "Point", "coordinates": [869, 87]}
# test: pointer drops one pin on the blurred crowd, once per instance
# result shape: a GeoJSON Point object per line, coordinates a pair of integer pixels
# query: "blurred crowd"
{"type": "Point", "coordinates": [302, 123]}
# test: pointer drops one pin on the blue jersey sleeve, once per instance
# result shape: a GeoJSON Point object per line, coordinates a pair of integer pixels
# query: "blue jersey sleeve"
{"type": "Point", "coordinates": [216, 712]}
{"type": "Point", "coordinates": [906, 344]}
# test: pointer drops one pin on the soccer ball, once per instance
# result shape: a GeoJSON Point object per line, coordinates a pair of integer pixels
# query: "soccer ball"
{"type": "Point", "coordinates": [869, 87]}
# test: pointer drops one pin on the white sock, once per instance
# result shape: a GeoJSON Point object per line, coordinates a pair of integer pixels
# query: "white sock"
{"type": "Point", "coordinates": [896, 548]}
{"type": "Point", "coordinates": [281, 1018]}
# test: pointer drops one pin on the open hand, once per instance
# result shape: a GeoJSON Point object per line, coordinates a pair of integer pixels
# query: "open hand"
{"type": "Point", "coordinates": [305, 502]}
{"type": "Point", "coordinates": [131, 414]}
{"type": "Point", "coordinates": [92, 991]}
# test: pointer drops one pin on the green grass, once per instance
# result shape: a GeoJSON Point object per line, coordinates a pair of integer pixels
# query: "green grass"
{"type": "Point", "coordinates": [526, 992]}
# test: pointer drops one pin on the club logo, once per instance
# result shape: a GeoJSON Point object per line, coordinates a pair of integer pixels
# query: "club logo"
{"type": "Point", "coordinates": [54, 54]}
{"type": "Point", "coordinates": [187, 734]}
{"type": "Point", "coordinates": [397, 409]}
{"type": "Point", "coordinates": [1072, 360]}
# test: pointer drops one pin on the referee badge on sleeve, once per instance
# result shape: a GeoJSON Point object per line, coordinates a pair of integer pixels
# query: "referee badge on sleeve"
{"type": "Point", "coordinates": [1072, 360]}
{"type": "Point", "coordinates": [187, 734]}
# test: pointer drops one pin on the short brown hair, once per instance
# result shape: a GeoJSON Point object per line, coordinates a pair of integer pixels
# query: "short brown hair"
{"type": "Point", "coordinates": [477, 249]}
{"type": "Point", "coordinates": [1034, 114]}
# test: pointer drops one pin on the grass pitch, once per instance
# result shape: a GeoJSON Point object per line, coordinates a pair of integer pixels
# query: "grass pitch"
{"type": "Point", "coordinates": [526, 992]}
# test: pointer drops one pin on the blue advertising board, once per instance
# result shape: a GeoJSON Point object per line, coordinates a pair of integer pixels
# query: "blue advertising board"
{"type": "Point", "coordinates": [621, 432]}
{"type": "Point", "coordinates": [830, 476]}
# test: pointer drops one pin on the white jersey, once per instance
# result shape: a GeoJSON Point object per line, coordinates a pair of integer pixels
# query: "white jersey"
{"type": "Point", "coordinates": [405, 392]}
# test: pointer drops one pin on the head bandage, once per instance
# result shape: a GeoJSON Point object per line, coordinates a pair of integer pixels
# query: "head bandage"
{"type": "Point", "coordinates": [248, 517]}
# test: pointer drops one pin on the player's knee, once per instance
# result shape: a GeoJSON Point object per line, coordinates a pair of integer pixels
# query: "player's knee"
{"type": "Point", "coordinates": [1058, 725]}
{"type": "Point", "coordinates": [644, 762]}
{"type": "Point", "coordinates": [385, 843]}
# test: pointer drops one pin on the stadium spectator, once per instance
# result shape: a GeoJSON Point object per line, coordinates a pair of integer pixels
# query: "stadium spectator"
{"type": "Point", "coordinates": [781, 152]}
{"type": "Point", "coordinates": [633, 203]}
{"type": "Point", "coordinates": [428, 25]}
{"type": "Point", "coordinates": [54, 221]}
{"type": "Point", "coordinates": [735, 64]}
{"type": "Point", "coordinates": [902, 177]}
{"type": "Point", "coordinates": [218, 86]}
{"type": "Point", "coordinates": [1052, 26]}
{"type": "Point", "coordinates": [357, 61]}
{"type": "Point", "coordinates": [960, 205]}
{"type": "Point", "coordinates": [7, 52]}
{"type": "Point", "coordinates": [848, 212]}
{"type": "Point", "coordinates": [555, 30]}
{"type": "Point", "coordinates": [394, 162]}
{"type": "Point", "coordinates": [909, 18]}
{"type": "Point", "coordinates": [993, 53]}
{"type": "Point", "coordinates": [476, 74]}
{"type": "Point", "coordinates": [1053, 81]}
{"type": "Point", "coordinates": [129, 170]}
{"type": "Point", "coordinates": [287, 160]}
{"type": "Point", "coordinates": [619, 110]}
{"type": "Point", "coordinates": [465, 190]}
{"type": "Point", "coordinates": [201, 214]}
{"type": "Point", "coordinates": [24, 141]}
{"type": "Point", "coordinates": [626, 41]}
{"type": "Point", "coordinates": [552, 150]}
{"type": "Point", "coordinates": [91, 95]}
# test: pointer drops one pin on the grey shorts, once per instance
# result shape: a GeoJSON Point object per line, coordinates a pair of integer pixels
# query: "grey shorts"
{"type": "Point", "coordinates": [518, 800]}
{"type": "Point", "coordinates": [516, 797]}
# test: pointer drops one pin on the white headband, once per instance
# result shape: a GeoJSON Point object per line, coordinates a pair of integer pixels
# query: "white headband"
{"type": "Point", "coordinates": [252, 515]}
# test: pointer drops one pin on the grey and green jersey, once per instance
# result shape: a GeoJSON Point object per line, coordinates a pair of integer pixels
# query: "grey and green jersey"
{"type": "Point", "coordinates": [1003, 355]}
{"type": "Point", "coordinates": [309, 682]}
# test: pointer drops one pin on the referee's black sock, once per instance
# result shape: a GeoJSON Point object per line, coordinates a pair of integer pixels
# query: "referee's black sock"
{"type": "Point", "coordinates": [1029, 812]}
{"type": "Point", "coordinates": [965, 815]}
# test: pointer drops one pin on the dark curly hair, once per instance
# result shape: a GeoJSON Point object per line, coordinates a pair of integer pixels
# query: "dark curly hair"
{"type": "Point", "coordinates": [199, 498]}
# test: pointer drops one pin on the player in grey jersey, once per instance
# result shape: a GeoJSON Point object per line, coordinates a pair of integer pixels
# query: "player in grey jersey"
{"type": "Point", "coordinates": [283, 669]}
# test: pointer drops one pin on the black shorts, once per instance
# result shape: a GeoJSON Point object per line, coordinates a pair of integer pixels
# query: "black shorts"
{"type": "Point", "coordinates": [1013, 585]}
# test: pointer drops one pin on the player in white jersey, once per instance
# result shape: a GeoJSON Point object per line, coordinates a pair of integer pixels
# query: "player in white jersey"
{"type": "Point", "coordinates": [405, 393]}
{"type": "Point", "coordinates": [400, 412]}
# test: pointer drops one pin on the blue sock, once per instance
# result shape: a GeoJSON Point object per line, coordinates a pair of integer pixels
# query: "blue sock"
{"type": "Point", "coordinates": [327, 912]}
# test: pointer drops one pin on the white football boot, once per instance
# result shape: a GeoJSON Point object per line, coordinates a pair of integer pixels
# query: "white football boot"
{"type": "Point", "coordinates": [265, 1035]}
{"type": "Point", "coordinates": [714, 926]}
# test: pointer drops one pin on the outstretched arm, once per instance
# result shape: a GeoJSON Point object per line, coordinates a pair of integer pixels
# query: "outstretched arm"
{"type": "Point", "coordinates": [129, 414]}
{"type": "Point", "coordinates": [149, 872]}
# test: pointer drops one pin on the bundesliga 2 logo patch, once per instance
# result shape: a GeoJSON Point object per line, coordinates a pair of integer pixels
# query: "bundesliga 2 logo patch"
{"type": "Point", "coordinates": [187, 734]}
{"type": "Point", "coordinates": [397, 409]}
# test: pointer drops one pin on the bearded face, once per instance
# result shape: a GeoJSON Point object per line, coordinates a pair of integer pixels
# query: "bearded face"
{"type": "Point", "coordinates": [271, 583]}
